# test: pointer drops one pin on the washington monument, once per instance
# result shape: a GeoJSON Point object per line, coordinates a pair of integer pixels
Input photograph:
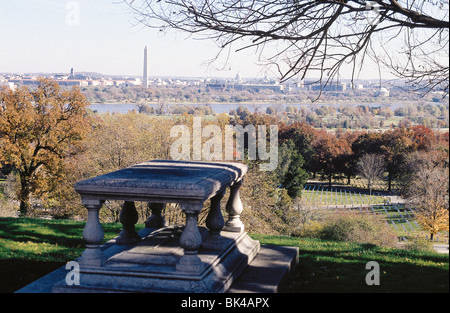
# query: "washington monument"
{"type": "Point", "coordinates": [145, 78]}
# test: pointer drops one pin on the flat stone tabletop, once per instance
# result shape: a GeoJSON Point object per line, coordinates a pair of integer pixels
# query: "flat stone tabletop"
{"type": "Point", "coordinates": [163, 180]}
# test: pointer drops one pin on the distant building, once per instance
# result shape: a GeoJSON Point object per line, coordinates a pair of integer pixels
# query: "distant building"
{"type": "Point", "coordinates": [10, 85]}
{"type": "Point", "coordinates": [223, 85]}
{"type": "Point", "coordinates": [329, 87]}
{"type": "Point", "coordinates": [107, 82]}
{"type": "Point", "coordinates": [25, 82]}
{"type": "Point", "coordinates": [259, 87]}
{"type": "Point", "coordinates": [145, 74]}
{"type": "Point", "coordinates": [60, 76]}
{"type": "Point", "coordinates": [73, 82]}
{"type": "Point", "coordinates": [357, 86]}
{"type": "Point", "coordinates": [382, 92]}
{"type": "Point", "coordinates": [94, 82]}
{"type": "Point", "coordinates": [217, 85]}
{"type": "Point", "coordinates": [238, 78]}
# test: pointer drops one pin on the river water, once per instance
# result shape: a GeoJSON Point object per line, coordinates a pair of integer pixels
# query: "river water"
{"type": "Point", "coordinates": [218, 108]}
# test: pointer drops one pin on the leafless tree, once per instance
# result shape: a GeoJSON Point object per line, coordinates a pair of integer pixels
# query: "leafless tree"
{"type": "Point", "coordinates": [370, 167]}
{"type": "Point", "coordinates": [319, 37]}
{"type": "Point", "coordinates": [162, 105]}
{"type": "Point", "coordinates": [427, 191]}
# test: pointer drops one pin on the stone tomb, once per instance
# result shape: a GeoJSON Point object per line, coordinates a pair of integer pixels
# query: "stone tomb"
{"type": "Point", "coordinates": [165, 258]}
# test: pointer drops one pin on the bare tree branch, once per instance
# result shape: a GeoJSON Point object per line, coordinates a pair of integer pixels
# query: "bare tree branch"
{"type": "Point", "coordinates": [306, 37]}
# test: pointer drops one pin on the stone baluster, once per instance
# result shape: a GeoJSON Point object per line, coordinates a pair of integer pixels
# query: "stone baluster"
{"type": "Point", "coordinates": [92, 234]}
{"type": "Point", "coordinates": [215, 223]}
{"type": "Point", "coordinates": [234, 209]}
{"type": "Point", "coordinates": [128, 217]}
{"type": "Point", "coordinates": [190, 241]}
{"type": "Point", "coordinates": [156, 220]}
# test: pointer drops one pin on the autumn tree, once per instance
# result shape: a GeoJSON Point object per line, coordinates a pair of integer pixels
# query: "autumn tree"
{"type": "Point", "coordinates": [328, 152]}
{"type": "Point", "coordinates": [368, 142]}
{"type": "Point", "coordinates": [37, 131]}
{"type": "Point", "coordinates": [428, 192]}
{"type": "Point", "coordinates": [396, 145]}
{"type": "Point", "coordinates": [115, 142]}
{"type": "Point", "coordinates": [264, 203]}
{"type": "Point", "coordinates": [393, 144]}
{"type": "Point", "coordinates": [347, 161]}
{"type": "Point", "coordinates": [423, 138]}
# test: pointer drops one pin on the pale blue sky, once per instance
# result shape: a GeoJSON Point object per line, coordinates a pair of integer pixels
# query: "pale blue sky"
{"type": "Point", "coordinates": [35, 37]}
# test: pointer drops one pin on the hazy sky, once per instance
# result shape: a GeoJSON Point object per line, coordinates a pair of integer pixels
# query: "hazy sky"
{"type": "Point", "coordinates": [53, 36]}
{"type": "Point", "coordinates": [49, 36]}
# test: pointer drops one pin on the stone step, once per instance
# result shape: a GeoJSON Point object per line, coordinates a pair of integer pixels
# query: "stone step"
{"type": "Point", "coordinates": [265, 273]}
{"type": "Point", "coordinates": [268, 270]}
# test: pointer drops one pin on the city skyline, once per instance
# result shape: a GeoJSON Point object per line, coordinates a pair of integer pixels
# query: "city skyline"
{"type": "Point", "coordinates": [50, 36]}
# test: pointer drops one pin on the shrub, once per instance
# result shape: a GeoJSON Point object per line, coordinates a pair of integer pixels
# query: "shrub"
{"type": "Point", "coordinates": [356, 227]}
{"type": "Point", "coordinates": [312, 229]}
{"type": "Point", "coordinates": [420, 245]}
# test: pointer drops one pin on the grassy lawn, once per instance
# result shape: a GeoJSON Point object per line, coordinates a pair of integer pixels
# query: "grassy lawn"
{"type": "Point", "coordinates": [400, 218]}
{"type": "Point", "coordinates": [337, 267]}
{"type": "Point", "coordinates": [31, 248]}
{"type": "Point", "coordinates": [338, 196]}
{"type": "Point", "coordinates": [378, 186]}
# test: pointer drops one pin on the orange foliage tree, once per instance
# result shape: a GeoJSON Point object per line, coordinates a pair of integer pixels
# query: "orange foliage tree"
{"type": "Point", "coordinates": [329, 151]}
{"type": "Point", "coordinates": [38, 129]}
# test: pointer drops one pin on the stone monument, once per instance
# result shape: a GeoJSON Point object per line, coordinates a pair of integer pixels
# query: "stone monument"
{"type": "Point", "coordinates": [165, 258]}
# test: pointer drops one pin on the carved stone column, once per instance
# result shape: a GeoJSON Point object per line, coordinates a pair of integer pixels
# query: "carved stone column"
{"type": "Point", "coordinates": [156, 220]}
{"type": "Point", "coordinates": [92, 234]}
{"type": "Point", "coordinates": [215, 223]}
{"type": "Point", "coordinates": [234, 209]}
{"type": "Point", "coordinates": [190, 241]}
{"type": "Point", "coordinates": [128, 217]}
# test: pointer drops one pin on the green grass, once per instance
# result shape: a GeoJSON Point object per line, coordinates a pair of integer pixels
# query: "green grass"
{"type": "Point", "coordinates": [378, 186]}
{"type": "Point", "coordinates": [32, 248]}
{"type": "Point", "coordinates": [398, 217]}
{"type": "Point", "coordinates": [337, 267]}
{"type": "Point", "coordinates": [339, 197]}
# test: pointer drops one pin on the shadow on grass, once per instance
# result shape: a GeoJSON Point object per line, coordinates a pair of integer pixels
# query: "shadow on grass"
{"type": "Point", "coordinates": [345, 272]}
{"type": "Point", "coordinates": [349, 277]}
{"type": "Point", "coordinates": [61, 232]}
{"type": "Point", "coordinates": [340, 267]}
{"type": "Point", "coordinates": [31, 248]}
{"type": "Point", "coordinates": [17, 273]}
{"type": "Point", "coordinates": [324, 266]}
{"type": "Point", "coordinates": [67, 235]}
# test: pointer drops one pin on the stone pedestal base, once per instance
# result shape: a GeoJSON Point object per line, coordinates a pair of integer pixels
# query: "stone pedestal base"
{"type": "Point", "coordinates": [153, 265]}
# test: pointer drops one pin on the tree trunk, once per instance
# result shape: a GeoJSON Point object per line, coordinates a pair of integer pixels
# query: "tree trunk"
{"type": "Point", "coordinates": [24, 196]}
{"type": "Point", "coordinates": [24, 208]}
{"type": "Point", "coordinates": [389, 182]}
